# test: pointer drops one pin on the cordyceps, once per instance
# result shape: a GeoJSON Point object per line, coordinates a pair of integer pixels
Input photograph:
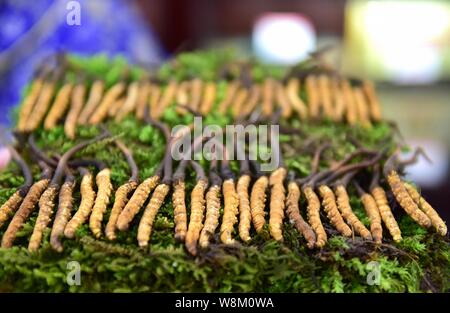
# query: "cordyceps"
{"type": "Point", "coordinates": [379, 195]}
{"type": "Point", "coordinates": [231, 202]}
{"type": "Point", "coordinates": [30, 100]}
{"type": "Point", "coordinates": [343, 204]}
{"type": "Point", "coordinates": [76, 105]}
{"type": "Point", "coordinates": [121, 195]}
{"type": "Point", "coordinates": [43, 101]}
{"type": "Point", "coordinates": [46, 202]}
{"type": "Point", "coordinates": [27, 206]}
{"type": "Point", "coordinates": [12, 204]}
{"type": "Point", "coordinates": [130, 102]}
{"type": "Point", "coordinates": [64, 211]}
{"type": "Point", "coordinates": [293, 95]}
{"type": "Point", "coordinates": [94, 98]}
{"type": "Point", "coordinates": [104, 190]}
{"type": "Point", "coordinates": [401, 193]}
{"type": "Point", "coordinates": [159, 195]}
{"type": "Point", "coordinates": [258, 199]}
{"type": "Point", "coordinates": [230, 93]}
{"type": "Point", "coordinates": [242, 188]}
{"type": "Point", "coordinates": [197, 209]}
{"type": "Point", "coordinates": [179, 202]}
{"type": "Point", "coordinates": [212, 206]}
{"type": "Point", "coordinates": [293, 213]}
{"type": "Point", "coordinates": [373, 213]}
{"type": "Point", "coordinates": [59, 106]}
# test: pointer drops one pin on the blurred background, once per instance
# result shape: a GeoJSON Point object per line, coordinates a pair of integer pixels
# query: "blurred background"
{"type": "Point", "coordinates": [404, 46]}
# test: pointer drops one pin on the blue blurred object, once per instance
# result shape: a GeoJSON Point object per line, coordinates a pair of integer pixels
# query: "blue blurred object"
{"type": "Point", "coordinates": [32, 30]}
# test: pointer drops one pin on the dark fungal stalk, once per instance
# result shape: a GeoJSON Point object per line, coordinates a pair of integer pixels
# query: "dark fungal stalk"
{"type": "Point", "coordinates": [121, 195]}
{"type": "Point", "coordinates": [46, 201]}
{"type": "Point", "coordinates": [197, 208]}
{"type": "Point", "coordinates": [12, 204]}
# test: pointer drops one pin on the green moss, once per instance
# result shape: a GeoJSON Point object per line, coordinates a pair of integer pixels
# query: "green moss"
{"type": "Point", "coordinates": [419, 263]}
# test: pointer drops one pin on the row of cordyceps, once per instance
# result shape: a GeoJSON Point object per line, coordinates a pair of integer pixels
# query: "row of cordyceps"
{"type": "Point", "coordinates": [314, 95]}
{"type": "Point", "coordinates": [249, 199]}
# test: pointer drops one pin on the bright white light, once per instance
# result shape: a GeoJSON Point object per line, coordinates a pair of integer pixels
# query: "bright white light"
{"type": "Point", "coordinates": [283, 38]}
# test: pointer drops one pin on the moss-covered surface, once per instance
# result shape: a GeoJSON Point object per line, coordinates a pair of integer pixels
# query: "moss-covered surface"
{"type": "Point", "coordinates": [421, 262]}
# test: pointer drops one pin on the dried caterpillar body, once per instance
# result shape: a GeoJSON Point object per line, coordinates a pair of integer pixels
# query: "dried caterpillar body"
{"type": "Point", "coordinates": [28, 103]}
{"type": "Point", "coordinates": [267, 97]}
{"type": "Point", "coordinates": [26, 208]}
{"type": "Point", "coordinates": [212, 215]}
{"type": "Point", "coordinates": [282, 100]}
{"type": "Point", "coordinates": [386, 214]}
{"type": "Point", "coordinates": [374, 216]}
{"type": "Point", "coordinates": [103, 180]}
{"type": "Point", "coordinates": [94, 98]}
{"type": "Point", "coordinates": [258, 202]}
{"type": "Point", "coordinates": [87, 202]}
{"type": "Point", "coordinates": [179, 210]}
{"type": "Point", "coordinates": [196, 216]}
{"type": "Point", "coordinates": [343, 204]}
{"type": "Point", "coordinates": [277, 203]}
{"type": "Point", "coordinates": [182, 98]}
{"type": "Point", "coordinates": [166, 98]}
{"type": "Point", "coordinates": [10, 206]}
{"type": "Point", "coordinates": [325, 95]}
{"type": "Point", "coordinates": [252, 100]}
{"type": "Point", "coordinates": [361, 107]}
{"type": "Point", "coordinates": [313, 214]}
{"type": "Point", "coordinates": [230, 211]}
{"type": "Point", "coordinates": [142, 99]}
{"type": "Point", "coordinates": [330, 207]}
{"type": "Point", "coordinates": [351, 113]}
{"type": "Point", "coordinates": [293, 212]}
{"type": "Point", "coordinates": [41, 106]}
{"type": "Point", "coordinates": [292, 92]}
{"type": "Point", "coordinates": [136, 201]}
{"type": "Point", "coordinates": [405, 201]}
{"type": "Point", "coordinates": [63, 213]}
{"type": "Point", "coordinates": [110, 96]}
{"type": "Point", "coordinates": [196, 93]}
{"type": "Point", "coordinates": [209, 96]}
{"type": "Point", "coordinates": [239, 101]}
{"type": "Point", "coordinates": [76, 106]}
{"type": "Point", "coordinates": [229, 96]}
{"type": "Point", "coordinates": [436, 220]}
{"type": "Point", "coordinates": [155, 95]}
{"type": "Point", "coordinates": [46, 204]}
{"type": "Point", "coordinates": [313, 97]}
{"type": "Point", "coordinates": [59, 106]}
{"type": "Point", "coordinates": [338, 100]}
{"type": "Point", "coordinates": [121, 198]}
{"type": "Point", "coordinates": [146, 223]}
{"type": "Point", "coordinates": [116, 106]}
{"type": "Point", "coordinates": [374, 105]}
{"type": "Point", "coordinates": [130, 101]}
{"type": "Point", "coordinates": [245, 216]}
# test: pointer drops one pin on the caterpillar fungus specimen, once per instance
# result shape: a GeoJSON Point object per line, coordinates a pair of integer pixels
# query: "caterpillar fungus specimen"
{"type": "Point", "coordinates": [64, 211]}
{"type": "Point", "coordinates": [293, 213]}
{"type": "Point", "coordinates": [209, 96]}
{"type": "Point", "coordinates": [379, 195]}
{"type": "Point", "coordinates": [178, 200]}
{"type": "Point", "coordinates": [212, 206]}
{"type": "Point", "coordinates": [159, 195]}
{"type": "Point", "coordinates": [197, 209]}
{"type": "Point", "coordinates": [94, 98]}
{"type": "Point", "coordinates": [242, 188]}
{"type": "Point", "coordinates": [343, 204]}
{"type": "Point", "coordinates": [142, 98]}
{"type": "Point", "coordinates": [311, 87]}
{"type": "Point", "coordinates": [268, 95]}
{"type": "Point", "coordinates": [258, 199]}
{"type": "Point", "coordinates": [110, 96]}
{"type": "Point", "coordinates": [27, 206]}
{"type": "Point", "coordinates": [46, 202]}
{"type": "Point", "coordinates": [59, 106]}
{"type": "Point", "coordinates": [130, 102]}
{"type": "Point", "coordinates": [12, 204]}
{"type": "Point", "coordinates": [77, 102]}
{"type": "Point", "coordinates": [372, 211]}
{"type": "Point", "coordinates": [293, 95]}
{"type": "Point", "coordinates": [230, 93]}
{"type": "Point", "coordinates": [401, 194]}
{"type": "Point", "coordinates": [121, 195]}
